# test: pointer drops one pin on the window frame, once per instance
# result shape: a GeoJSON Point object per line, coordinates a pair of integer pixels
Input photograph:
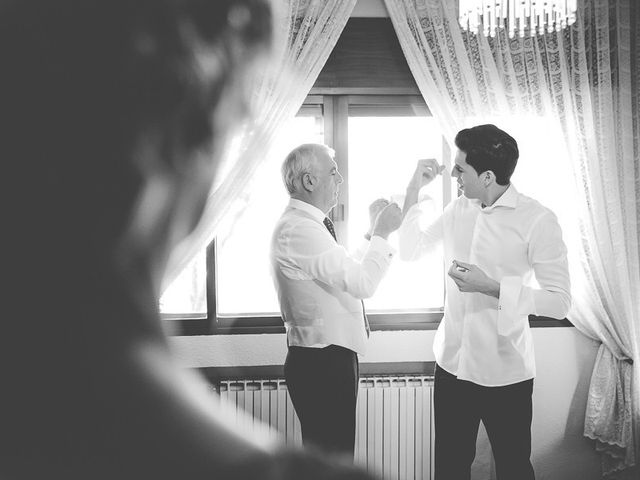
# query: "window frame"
{"type": "Point", "coordinates": [335, 104]}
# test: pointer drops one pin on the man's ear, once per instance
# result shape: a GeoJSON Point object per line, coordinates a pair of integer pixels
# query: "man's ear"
{"type": "Point", "coordinates": [488, 178]}
{"type": "Point", "coordinates": [308, 182]}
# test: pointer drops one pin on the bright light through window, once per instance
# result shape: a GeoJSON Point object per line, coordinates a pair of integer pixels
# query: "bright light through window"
{"type": "Point", "coordinates": [187, 293]}
{"type": "Point", "coordinates": [383, 152]}
{"type": "Point", "coordinates": [544, 173]}
{"type": "Point", "coordinates": [245, 286]}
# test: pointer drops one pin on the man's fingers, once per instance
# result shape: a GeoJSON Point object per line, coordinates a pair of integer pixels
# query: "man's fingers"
{"type": "Point", "coordinates": [459, 283]}
{"type": "Point", "coordinates": [380, 202]}
{"type": "Point", "coordinates": [455, 273]}
{"type": "Point", "coordinates": [466, 266]}
{"type": "Point", "coordinates": [431, 163]}
{"type": "Point", "coordinates": [377, 206]}
{"type": "Point", "coordinates": [391, 207]}
{"type": "Point", "coordinates": [430, 167]}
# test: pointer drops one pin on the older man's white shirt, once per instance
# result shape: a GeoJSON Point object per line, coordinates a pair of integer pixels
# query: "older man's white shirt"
{"type": "Point", "coordinates": [517, 242]}
{"type": "Point", "coordinates": [319, 284]}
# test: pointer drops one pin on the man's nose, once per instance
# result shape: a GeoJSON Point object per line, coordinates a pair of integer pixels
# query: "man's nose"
{"type": "Point", "coordinates": [454, 173]}
{"type": "Point", "coordinates": [340, 179]}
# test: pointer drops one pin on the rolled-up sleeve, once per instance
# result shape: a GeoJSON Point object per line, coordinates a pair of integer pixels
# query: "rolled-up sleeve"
{"type": "Point", "coordinates": [548, 258]}
{"type": "Point", "coordinates": [314, 251]}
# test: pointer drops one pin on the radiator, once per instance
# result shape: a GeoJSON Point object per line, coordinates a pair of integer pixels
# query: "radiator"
{"type": "Point", "coordinates": [394, 425]}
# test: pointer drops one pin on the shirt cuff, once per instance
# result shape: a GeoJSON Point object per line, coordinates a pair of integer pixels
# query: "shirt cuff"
{"type": "Point", "coordinates": [514, 305]}
{"type": "Point", "coordinates": [382, 247]}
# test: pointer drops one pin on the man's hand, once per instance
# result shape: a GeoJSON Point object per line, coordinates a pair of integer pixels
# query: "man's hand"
{"type": "Point", "coordinates": [470, 278]}
{"type": "Point", "coordinates": [388, 221]}
{"type": "Point", "coordinates": [374, 210]}
{"type": "Point", "coordinates": [426, 170]}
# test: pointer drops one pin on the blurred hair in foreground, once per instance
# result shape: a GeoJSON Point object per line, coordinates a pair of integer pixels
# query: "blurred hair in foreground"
{"type": "Point", "coordinates": [113, 118]}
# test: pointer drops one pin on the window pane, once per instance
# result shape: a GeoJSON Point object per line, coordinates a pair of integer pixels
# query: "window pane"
{"type": "Point", "coordinates": [383, 152]}
{"type": "Point", "coordinates": [187, 293]}
{"type": "Point", "coordinates": [245, 286]}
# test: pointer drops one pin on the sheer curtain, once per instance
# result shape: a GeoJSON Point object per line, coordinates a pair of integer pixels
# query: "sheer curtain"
{"type": "Point", "coordinates": [580, 82]}
{"type": "Point", "coordinates": [306, 33]}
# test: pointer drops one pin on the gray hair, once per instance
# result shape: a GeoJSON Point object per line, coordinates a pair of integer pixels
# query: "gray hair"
{"type": "Point", "coordinates": [301, 160]}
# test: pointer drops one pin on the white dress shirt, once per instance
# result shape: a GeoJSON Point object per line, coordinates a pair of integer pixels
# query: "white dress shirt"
{"type": "Point", "coordinates": [319, 285]}
{"type": "Point", "coordinates": [516, 241]}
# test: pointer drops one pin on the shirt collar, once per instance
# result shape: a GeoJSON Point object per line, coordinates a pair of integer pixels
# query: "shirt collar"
{"type": "Point", "coordinates": [307, 207]}
{"type": "Point", "coordinates": [508, 199]}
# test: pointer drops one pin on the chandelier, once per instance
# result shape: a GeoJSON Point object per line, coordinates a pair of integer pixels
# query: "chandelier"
{"type": "Point", "coordinates": [516, 16]}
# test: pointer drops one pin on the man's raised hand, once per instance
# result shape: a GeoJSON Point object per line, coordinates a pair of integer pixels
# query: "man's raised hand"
{"type": "Point", "coordinates": [388, 220]}
{"type": "Point", "coordinates": [426, 170]}
{"type": "Point", "coordinates": [374, 210]}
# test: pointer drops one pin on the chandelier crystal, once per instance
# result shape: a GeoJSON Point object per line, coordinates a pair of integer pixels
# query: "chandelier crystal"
{"type": "Point", "coordinates": [519, 17]}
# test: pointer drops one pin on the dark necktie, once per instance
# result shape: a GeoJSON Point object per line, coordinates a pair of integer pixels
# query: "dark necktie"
{"type": "Point", "coordinates": [329, 224]}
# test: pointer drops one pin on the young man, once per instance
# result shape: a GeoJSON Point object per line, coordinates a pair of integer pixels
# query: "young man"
{"type": "Point", "coordinates": [496, 242]}
{"type": "Point", "coordinates": [320, 287]}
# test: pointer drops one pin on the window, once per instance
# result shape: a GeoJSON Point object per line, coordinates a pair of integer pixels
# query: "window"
{"type": "Point", "coordinates": [386, 136]}
{"type": "Point", "coordinates": [245, 287]}
{"type": "Point", "coordinates": [186, 296]}
{"type": "Point", "coordinates": [367, 133]}
{"type": "Point", "coordinates": [378, 140]}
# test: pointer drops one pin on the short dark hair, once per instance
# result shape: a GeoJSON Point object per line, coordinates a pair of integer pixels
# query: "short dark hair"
{"type": "Point", "coordinates": [489, 148]}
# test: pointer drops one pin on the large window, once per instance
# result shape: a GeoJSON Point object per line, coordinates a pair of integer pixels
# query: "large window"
{"type": "Point", "coordinates": [386, 136]}
{"type": "Point", "coordinates": [244, 283]}
{"type": "Point", "coordinates": [377, 140]}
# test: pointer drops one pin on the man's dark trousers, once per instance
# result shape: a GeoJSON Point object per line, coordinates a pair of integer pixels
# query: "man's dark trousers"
{"type": "Point", "coordinates": [506, 413]}
{"type": "Point", "coordinates": [323, 385]}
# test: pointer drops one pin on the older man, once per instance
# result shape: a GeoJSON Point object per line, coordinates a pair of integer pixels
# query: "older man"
{"type": "Point", "coordinates": [320, 289]}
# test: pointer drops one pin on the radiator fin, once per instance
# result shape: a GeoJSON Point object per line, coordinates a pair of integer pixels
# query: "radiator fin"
{"type": "Point", "coordinates": [394, 420]}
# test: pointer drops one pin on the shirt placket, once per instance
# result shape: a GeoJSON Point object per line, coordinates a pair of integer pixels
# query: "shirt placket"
{"type": "Point", "coordinates": [466, 327]}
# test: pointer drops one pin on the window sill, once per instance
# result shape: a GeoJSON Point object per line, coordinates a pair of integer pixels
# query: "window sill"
{"type": "Point", "coordinates": [200, 325]}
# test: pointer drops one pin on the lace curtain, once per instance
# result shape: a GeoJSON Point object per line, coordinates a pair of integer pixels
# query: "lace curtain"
{"type": "Point", "coordinates": [579, 80]}
{"type": "Point", "coordinates": [306, 33]}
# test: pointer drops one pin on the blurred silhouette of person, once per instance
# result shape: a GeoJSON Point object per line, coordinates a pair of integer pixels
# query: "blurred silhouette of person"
{"type": "Point", "coordinates": [114, 115]}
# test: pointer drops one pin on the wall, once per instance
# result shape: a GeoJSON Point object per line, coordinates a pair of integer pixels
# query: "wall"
{"type": "Point", "coordinates": [370, 8]}
{"type": "Point", "coordinates": [564, 359]}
